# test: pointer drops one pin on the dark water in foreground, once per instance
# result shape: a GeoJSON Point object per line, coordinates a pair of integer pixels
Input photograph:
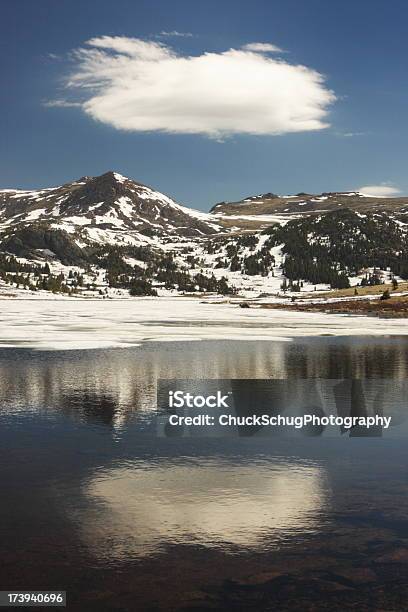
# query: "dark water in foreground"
{"type": "Point", "coordinates": [95, 503]}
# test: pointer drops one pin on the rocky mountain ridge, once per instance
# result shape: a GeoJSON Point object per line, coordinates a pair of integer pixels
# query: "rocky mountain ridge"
{"type": "Point", "coordinates": [304, 203]}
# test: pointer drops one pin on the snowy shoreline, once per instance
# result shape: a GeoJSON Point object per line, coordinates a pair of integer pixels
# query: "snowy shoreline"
{"type": "Point", "coordinates": [76, 324]}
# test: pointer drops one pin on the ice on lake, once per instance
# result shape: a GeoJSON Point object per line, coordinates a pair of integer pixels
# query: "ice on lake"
{"type": "Point", "coordinates": [79, 324]}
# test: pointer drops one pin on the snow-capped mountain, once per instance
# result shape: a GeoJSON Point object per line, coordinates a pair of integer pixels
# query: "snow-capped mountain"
{"type": "Point", "coordinates": [109, 208]}
{"type": "Point", "coordinates": [110, 236]}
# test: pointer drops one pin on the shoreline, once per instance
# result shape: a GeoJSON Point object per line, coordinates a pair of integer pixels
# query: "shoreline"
{"type": "Point", "coordinates": [393, 308]}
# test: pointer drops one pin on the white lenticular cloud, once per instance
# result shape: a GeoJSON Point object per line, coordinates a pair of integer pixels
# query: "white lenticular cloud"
{"type": "Point", "coordinates": [137, 85]}
{"type": "Point", "coordinates": [383, 190]}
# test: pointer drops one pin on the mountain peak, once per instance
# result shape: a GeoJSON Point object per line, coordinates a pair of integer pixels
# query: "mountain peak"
{"type": "Point", "coordinates": [112, 175]}
{"type": "Point", "coordinates": [115, 181]}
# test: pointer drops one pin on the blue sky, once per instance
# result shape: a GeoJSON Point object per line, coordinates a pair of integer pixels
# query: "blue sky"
{"type": "Point", "coordinates": [359, 48]}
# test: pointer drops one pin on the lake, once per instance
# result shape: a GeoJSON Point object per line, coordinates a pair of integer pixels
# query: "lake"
{"type": "Point", "coordinates": [97, 502]}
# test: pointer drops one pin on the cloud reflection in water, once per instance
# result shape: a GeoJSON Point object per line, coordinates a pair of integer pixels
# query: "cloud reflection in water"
{"type": "Point", "coordinates": [139, 509]}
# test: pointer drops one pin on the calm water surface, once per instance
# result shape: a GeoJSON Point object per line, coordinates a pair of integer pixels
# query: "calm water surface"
{"type": "Point", "coordinates": [94, 502]}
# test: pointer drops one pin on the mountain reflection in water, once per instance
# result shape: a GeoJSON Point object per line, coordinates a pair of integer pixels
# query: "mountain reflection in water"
{"type": "Point", "coordinates": [126, 379]}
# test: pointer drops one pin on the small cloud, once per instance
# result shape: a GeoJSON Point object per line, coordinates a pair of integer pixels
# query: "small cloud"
{"type": "Point", "coordinates": [350, 134]}
{"type": "Point", "coordinates": [61, 104]}
{"type": "Point", "coordinates": [138, 85]}
{"type": "Point", "coordinates": [175, 33]}
{"type": "Point", "coordinates": [382, 191]}
{"type": "Point", "coordinates": [262, 48]}
{"type": "Point", "coordinates": [52, 58]}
